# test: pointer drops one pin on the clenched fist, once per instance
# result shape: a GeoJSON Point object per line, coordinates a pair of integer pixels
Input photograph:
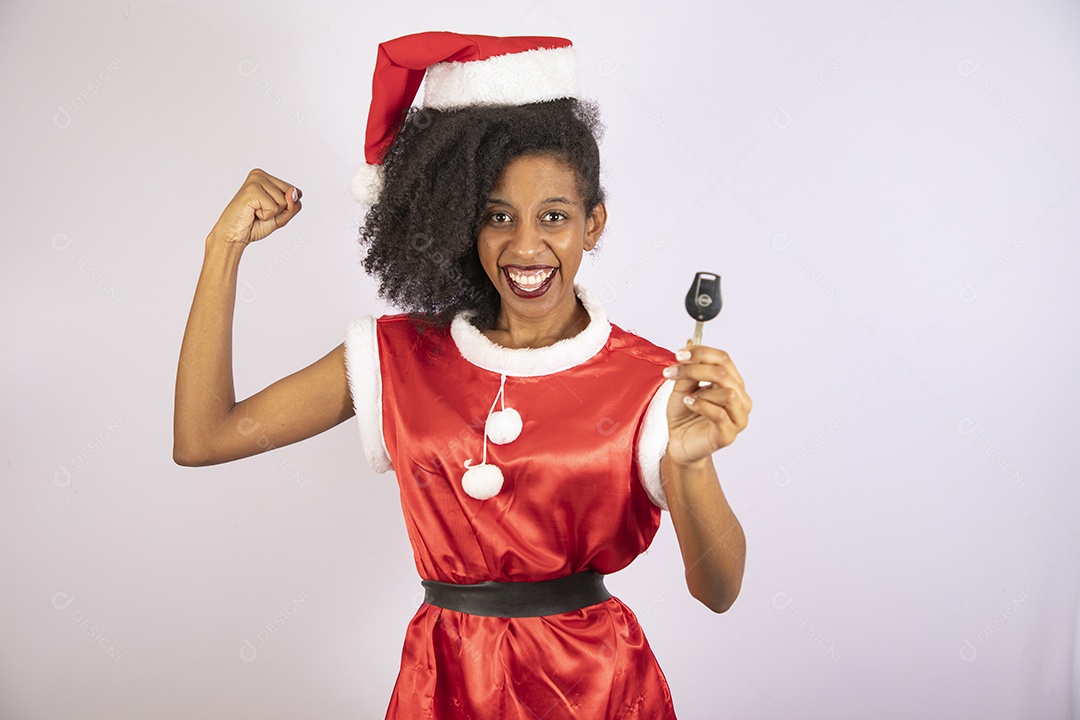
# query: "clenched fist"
{"type": "Point", "coordinates": [261, 205]}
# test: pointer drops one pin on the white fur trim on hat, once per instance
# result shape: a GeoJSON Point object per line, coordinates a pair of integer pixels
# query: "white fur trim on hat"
{"type": "Point", "coordinates": [475, 347]}
{"type": "Point", "coordinates": [365, 383]}
{"type": "Point", "coordinates": [512, 79]}
{"type": "Point", "coordinates": [653, 442]}
{"type": "Point", "coordinates": [367, 183]}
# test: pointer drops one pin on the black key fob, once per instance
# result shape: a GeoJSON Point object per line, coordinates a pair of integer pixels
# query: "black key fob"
{"type": "Point", "coordinates": [703, 301]}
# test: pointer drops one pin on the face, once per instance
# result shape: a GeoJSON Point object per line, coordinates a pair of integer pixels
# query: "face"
{"type": "Point", "coordinates": [533, 234]}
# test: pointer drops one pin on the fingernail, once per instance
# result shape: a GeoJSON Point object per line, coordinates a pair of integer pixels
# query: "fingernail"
{"type": "Point", "coordinates": [689, 399]}
{"type": "Point", "coordinates": [682, 355]}
{"type": "Point", "coordinates": [295, 195]}
{"type": "Point", "coordinates": [670, 372]}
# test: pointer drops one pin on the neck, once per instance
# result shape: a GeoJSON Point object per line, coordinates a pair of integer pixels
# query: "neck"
{"type": "Point", "coordinates": [515, 331]}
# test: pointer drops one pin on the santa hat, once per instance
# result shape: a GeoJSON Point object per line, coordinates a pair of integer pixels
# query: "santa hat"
{"type": "Point", "coordinates": [457, 71]}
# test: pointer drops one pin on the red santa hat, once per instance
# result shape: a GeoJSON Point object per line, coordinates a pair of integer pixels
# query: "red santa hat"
{"type": "Point", "coordinates": [457, 71]}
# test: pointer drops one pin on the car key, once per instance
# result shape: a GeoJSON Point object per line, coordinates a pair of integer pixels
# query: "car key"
{"type": "Point", "coordinates": [703, 301]}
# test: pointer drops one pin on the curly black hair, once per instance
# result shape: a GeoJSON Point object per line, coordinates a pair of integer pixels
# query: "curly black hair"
{"type": "Point", "coordinates": [421, 234]}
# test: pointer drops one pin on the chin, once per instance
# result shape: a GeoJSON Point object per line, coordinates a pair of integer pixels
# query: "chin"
{"type": "Point", "coordinates": [534, 308]}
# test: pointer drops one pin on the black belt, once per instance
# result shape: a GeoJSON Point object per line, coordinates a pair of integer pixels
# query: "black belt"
{"type": "Point", "coordinates": [519, 599]}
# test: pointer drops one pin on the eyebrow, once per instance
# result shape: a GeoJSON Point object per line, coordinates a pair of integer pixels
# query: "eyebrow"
{"type": "Point", "coordinates": [558, 199]}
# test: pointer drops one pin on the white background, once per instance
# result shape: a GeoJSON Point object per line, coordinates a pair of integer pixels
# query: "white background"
{"type": "Point", "coordinates": [889, 190]}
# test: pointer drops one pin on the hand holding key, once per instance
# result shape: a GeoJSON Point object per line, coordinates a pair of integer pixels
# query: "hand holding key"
{"type": "Point", "coordinates": [708, 406]}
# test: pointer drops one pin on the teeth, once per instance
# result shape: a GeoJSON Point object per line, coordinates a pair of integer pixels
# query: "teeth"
{"type": "Point", "coordinates": [529, 279]}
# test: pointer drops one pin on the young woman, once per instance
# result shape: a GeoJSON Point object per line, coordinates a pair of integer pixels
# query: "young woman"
{"type": "Point", "coordinates": [534, 442]}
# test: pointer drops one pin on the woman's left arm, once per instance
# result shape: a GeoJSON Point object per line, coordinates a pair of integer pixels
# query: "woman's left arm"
{"type": "Point", "coordinates": [701, 420]}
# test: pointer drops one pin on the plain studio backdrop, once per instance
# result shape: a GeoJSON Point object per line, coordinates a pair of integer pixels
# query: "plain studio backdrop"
{"type": "Point", "coordinates": [889, 190]}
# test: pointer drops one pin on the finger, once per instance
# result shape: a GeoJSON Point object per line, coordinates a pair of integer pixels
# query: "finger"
{"type": "Point", "coordinates": [283, 218]}
{"type": "Point", "coordinates": [682, 385]}
{"type": "Point", "coordinates": [712, 356]}
{"type": "Point", "coordinates": [714, 413]}
{"type": "Point", "coordinates": [689, 375]}
{"type": "Point", "coordinates": [269, 180]}
{"type": "Point", "coordinates": [282, 199]}
{"type": "Point", "coordinates": [291, 195]}
{"type": "Point", "coordinates": [278, 193]}
{"type": "Point", "coordinates": [259, 200]}
{"type": "Point", "coordinates": [283, 187]}
{"type": "Point", "coordinates": [716, 356]}
{"type": "Point", "coordinates": [732, 400]}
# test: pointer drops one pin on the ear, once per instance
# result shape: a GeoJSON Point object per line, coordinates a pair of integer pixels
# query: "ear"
{"type": "Point", "coordinates": [594, 226]}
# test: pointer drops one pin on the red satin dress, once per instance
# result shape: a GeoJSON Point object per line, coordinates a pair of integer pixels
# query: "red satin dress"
{"type": "Point", "coordinates": [572, 499]}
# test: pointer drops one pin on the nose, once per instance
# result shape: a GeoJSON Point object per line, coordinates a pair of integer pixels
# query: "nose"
{"type": "Point", "coordinates": [529, 241]}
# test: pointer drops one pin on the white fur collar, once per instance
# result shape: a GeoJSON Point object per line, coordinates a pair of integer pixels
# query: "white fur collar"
{"type": "Point", "coordinates": [530, 362]}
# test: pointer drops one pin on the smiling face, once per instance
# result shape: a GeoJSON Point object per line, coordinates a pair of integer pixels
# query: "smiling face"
{"type": "Point", "coordinates": [533, 233]}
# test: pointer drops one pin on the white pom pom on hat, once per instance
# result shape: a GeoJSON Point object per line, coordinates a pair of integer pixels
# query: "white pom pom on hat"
{"type": "Point", "coordinates": [456, 71]}
{"type": "Point", "coordinates": [367, 183]}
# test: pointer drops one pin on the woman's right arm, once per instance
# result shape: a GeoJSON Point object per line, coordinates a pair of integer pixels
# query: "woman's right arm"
{"type": "Point", "coordinates": [209, 426]}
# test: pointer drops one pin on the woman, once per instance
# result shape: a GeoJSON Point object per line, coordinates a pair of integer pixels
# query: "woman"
{"type": "Point", "coordinates": [481, 216]}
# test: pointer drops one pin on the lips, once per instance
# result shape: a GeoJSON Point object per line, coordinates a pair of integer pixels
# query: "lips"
{"type": "Point", "coordinates": [529, 281]}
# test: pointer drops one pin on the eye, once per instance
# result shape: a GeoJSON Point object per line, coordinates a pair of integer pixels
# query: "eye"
{"type": "Point", "coordinates": [498, 217]}
{"type": "Point", "coordinates": [554, 215]}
